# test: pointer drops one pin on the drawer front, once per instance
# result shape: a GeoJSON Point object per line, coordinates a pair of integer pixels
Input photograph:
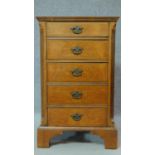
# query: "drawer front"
{"type": "Point", "coordinates": [77, 49]}
{"type": "Point", "coordinates": [72, 72]}
{"type": "Point", "coordinates": [77, 117]}
{"type": "Point", "coordinates": [77, 95]}
{"type": "Point", "coordinates": [77, 29]}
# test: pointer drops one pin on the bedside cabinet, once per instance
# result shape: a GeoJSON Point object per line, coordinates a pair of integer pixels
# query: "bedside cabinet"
{"type": "Point", "coordinates": [77, 77]}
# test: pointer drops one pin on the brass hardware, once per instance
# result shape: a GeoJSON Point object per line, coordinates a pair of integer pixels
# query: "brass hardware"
{"type": "Point", "coordinates": [77, 29]}
{"type": "Point", "coordinates": [77, 72]}
{"type": "Point", "coordinates": [76, 94]}
{"type": "Point", "coordinates": [76, 117]}
{"type": "Point", "coordinates": [77, 50]}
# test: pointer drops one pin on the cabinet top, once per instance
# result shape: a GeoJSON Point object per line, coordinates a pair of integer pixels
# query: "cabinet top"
{"type": "Point", "coordinates": [77, 19]}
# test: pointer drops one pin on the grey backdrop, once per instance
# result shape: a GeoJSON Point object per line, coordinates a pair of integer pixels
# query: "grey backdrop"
{"type": "Point", "coordinates": [77, 8]}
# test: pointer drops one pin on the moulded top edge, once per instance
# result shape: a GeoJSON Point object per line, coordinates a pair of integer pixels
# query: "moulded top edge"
{"type": "Point", "coordinates": [77, 18]}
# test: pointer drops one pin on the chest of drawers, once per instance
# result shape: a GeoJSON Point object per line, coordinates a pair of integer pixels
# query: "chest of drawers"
{"type": "Point", "coordinates": [77, 77]}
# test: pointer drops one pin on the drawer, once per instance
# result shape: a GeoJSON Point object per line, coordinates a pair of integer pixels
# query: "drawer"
{"type": "Point", "coordinates": [77, 95]}
{"type": "Point", "coordinates": [77, 49]}
{"type": "Point", "coordinates": [77, 117]}
{"type": "Point", "coordinates": [77, 29]}
{"type": "Point", "coordinates": [72, 72]}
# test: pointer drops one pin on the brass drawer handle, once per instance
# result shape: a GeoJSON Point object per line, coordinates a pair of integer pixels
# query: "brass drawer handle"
{"type": "Point", "coordinates": [77, 50]}
{"type": "Point", "coordinates": [76, 117]}
{"type": "Point", "coordinates": [76, 94]}
{"type": "Point", "coordinates": [77, 72]}
{"type": "Point", "coordinates": [77, 29]}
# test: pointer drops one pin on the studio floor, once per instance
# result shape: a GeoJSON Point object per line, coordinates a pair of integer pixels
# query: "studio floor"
{"type": "Point", "coordinates": [68, 144]}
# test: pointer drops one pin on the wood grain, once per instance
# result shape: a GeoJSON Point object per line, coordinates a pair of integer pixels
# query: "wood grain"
{"type": "Point", "coordinates": [62, 49]}
{"type": "Point", "coordinates": [111, 74]}
{"type": "Point", "coordinates": [89, 29]}
{"type": "Point", "coordinates": [46, 134]}
{"type": "Point", "coordinates": [62, 72]}
{"type": "Point", "coordinates": [43, 72]}
{"type": "Point", "coordinates": [77, 19]}
{"type": "Point", "coordinates": [90, 117]}
{"type": "Point", "coordinates": [113, 29]}
{"type": "Point", "coordinates": [91, 95]}
{"type": "Point", "coordinates": [109, 137]}
{"type": "Point", "coordinates": [95, 106]}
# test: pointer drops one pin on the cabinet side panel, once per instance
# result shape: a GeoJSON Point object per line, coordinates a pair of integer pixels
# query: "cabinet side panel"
{"type": "Point", "coordinates": [111, 73]}
{"type": "Point", "coordinates": [43, 72]}
{"type": "Point", "coordinates": [112, 69]}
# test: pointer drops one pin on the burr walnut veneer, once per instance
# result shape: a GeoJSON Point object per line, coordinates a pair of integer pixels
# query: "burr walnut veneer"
{"type": "Point", "coordinates": [77, 77]}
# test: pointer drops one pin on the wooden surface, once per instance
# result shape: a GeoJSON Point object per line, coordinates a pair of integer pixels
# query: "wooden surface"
{"type": "Point", "coordinates": [111, 76]}
{"type": "Point", "coordinates": [43, 72]}
{"type": "Point", "coordinates": [91, 95]}
{"type": "Point", "coordinates": [109, 136]}
{"type": "Point", "coordinates": [90, 117]}
{"type": "Point", "coordinates": [77, 19]}
{"type": "Point", "coordinates": [89, 29]}
{"type": "Point", "coordinates": [46, 134]}
{"type": "Point", "coordinates": [96, 82]}
{"type": "Point", "coordinates": [63, 72]}
{"type": "Point", "coordinates": [62, 49]}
